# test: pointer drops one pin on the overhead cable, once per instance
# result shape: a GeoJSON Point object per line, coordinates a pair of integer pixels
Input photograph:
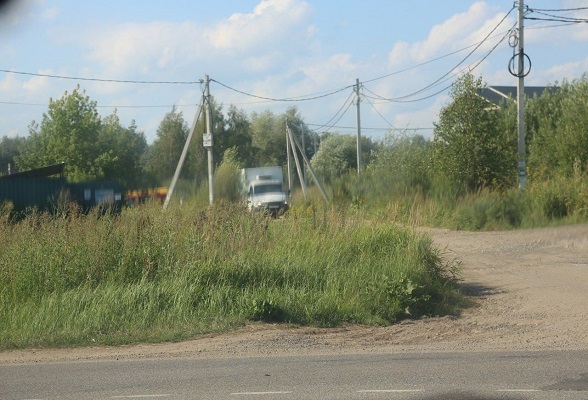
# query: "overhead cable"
{"type": "Point", "coordinates": [345, 106]}
{"type": "Point", "coordinates": [442, 78]}
{"type": "Point", "coordinates": [556, 18]}
{"type": "Point", "coordinates": [77, 78]}
{"type": "Point", "coordinates": [301, 98]}
{"type": "Point", "coordinates": [380, 114]}
{"type": "Point", "coordinates": [329, 126]}
{"type": "Point", "coordinates": [558, 9]}
{"type": "Point", "coordinates": [446, 78]}
{"type": "Point", "coordinates": [426, 62]}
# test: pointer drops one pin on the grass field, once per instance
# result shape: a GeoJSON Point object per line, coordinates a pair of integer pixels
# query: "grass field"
{"type": "Point", "coordinates": [148, 275]}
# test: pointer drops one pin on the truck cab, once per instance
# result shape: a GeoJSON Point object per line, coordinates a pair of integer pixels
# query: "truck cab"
{"type": "Point", "coordinates": [264, 190]}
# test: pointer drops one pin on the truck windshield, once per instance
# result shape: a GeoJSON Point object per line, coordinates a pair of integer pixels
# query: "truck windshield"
{"type": "Point", "coordinates": [271, 188]}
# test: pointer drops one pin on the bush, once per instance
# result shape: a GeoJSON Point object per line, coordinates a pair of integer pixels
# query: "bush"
{"type": "Point", "coordinates": [488, 210]}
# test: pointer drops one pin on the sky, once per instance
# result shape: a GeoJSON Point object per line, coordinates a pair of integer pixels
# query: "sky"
{"type": "Point", "coordinates": [141, 58]}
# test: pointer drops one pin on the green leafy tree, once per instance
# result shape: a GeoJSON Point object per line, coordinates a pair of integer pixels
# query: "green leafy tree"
{"type": "Point", "coordinates": [126, 146]}
{"type": "Point", "coordinates": [268, 139]}
{"type": "Point", "coordinates": [238, 136]}
{"type": "Point", "coordinates": [269, 136]}
{"type": "Point", "coordinates": [165, 152]}
{"type": "Point", "coordinates": [69, 132]}
{"type": "Point", "coordinates": [9, 150]}
{"type": "Point", "coordinates": [197, 161]}
{"type": "Point", "coordinates": [337, 155]}
{"type": "Point", "coordinates": [558, 130]}
{"type": "Point", "coordinates": [470, 151]}
{"type": "Point", "coordinates": [226, 182]}
{"type": "Point", "coordinates": [402, 164]}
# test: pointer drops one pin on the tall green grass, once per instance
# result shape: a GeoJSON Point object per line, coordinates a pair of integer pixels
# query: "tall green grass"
{"type": "Point", "coordinates": [558, 200]}
{"type": "Point", "coordinates": [153, 275]}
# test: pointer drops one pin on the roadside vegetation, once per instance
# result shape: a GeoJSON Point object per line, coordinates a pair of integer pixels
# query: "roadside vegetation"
{"type": "Point", "coordinates": [148, 275]}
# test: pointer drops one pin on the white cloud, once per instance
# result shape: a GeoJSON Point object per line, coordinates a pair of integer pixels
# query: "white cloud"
{"type": "Point", "coordinates": [50, 13]}
{"type": "Point", "coordinates": [133, 48]}
{"type": "Point", "coordinates": [37, 84]}
{"type": "Point", "coordinates": [242, 42]}
{"type": "Point", "coordinates": [322, 73]}
{"type": "Point", "coordinates": [457, 32]}
{"type": "Point", "coordinates": [271, 22]}
{"type": "Point", "coordinates": [567, 71]}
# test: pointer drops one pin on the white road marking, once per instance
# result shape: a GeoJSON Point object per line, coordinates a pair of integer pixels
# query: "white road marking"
{"type": "Point", "coordinates": [140, 396]}
{"type": "Point", "coordinates": [390, 391]}
{"type": "Point", "coordinates": [256, 393]}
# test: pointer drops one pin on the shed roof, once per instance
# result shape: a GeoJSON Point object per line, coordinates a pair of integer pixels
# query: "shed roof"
{"type": "Point", "coordinates": [51, 170]}
{"type": "Point", "coordinates": [497, 94]}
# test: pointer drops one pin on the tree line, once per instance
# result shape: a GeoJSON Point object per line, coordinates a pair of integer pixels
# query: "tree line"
{"type": "Point", "coordinates": [101, 148]}
{"type": "Point", "coordinates": [474, 144]}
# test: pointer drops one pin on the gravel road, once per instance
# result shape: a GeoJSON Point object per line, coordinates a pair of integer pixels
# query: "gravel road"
{"type": "Point", "coordinates": [530, 290]}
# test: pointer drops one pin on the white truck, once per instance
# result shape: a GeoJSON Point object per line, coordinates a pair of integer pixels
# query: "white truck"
{"type": "Point", "coordinates": [263, 189]}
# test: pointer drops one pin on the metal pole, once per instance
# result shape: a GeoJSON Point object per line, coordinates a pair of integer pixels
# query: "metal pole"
{"type": "Point", "coordinates": [357, 101]}
{"type": "Point", "coordinates": [522, 167]}
{"type": "Point", "coordinates": [209, 136]}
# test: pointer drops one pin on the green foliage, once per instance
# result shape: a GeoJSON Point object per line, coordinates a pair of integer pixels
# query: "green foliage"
{"type": "Point", "coordinates": [558, 129]}
{"type": "Point", "coordinates": [563, 198]}
{"type": "Point", "coordinates": [238, 137]}
{"type": "Point", "coordinates": [269, 136]}
{"type": "Point", "coordinates": [487, 210]}
{"type": "Point", "coordinates": [401, 166]}
{"type": "Point", "coordinates": [70, 133]}
{"type": "Point", "coordinates": [148, 275]}
{"type": "Point", "coordinates": [265, 310]}
{"type": "Point", "coordinates": [9, 149]}
{"type": "Point", "coordinates": [165, 151]}
{"type": "Point", "coordinates": [226, 177]}
{"type": "Point", "coordinates": [126, 146]}
{"type": "Point", "coordinates": [337, 155]}
{"type": "Point", "coordinates": [470, 151]}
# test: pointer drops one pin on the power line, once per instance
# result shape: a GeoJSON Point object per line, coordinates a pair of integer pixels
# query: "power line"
{"type": "Point", "coordinates": [15, 103]}
{"type": "Point", "coordinates": [558, 9]}
{"type": "Point", "coordinates": [442, 78]}
{"type": "Point", "coordinates": [559, 19]}
{"type": "Point", "coordinates": [556, 18]}
{"type": "Point", "coordinates": [372, 128]}
{"type": "Point", "coordinates": [339, 111]}
{"type": "Point", "coordinates": [77, 78]}
{"type": "Point", "coordinates": [380, 114]}
{"type": "Point", "coordinates": [428, 61]}
{"type": "Point", "coordinates": [300, 98]}
{"type": "Point", "coordinates": [327, 126]}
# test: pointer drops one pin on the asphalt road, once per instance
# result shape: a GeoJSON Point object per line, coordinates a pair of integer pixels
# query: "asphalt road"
{"type": "Point", "coordinates": [456, 376]}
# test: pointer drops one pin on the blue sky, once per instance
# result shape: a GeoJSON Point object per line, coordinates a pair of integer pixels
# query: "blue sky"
{"type": "Point", "coordinates": [272, 48]}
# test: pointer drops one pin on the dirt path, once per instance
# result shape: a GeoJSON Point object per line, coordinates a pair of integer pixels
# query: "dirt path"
{"type": "Point", "coordinates": [531, 289]}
